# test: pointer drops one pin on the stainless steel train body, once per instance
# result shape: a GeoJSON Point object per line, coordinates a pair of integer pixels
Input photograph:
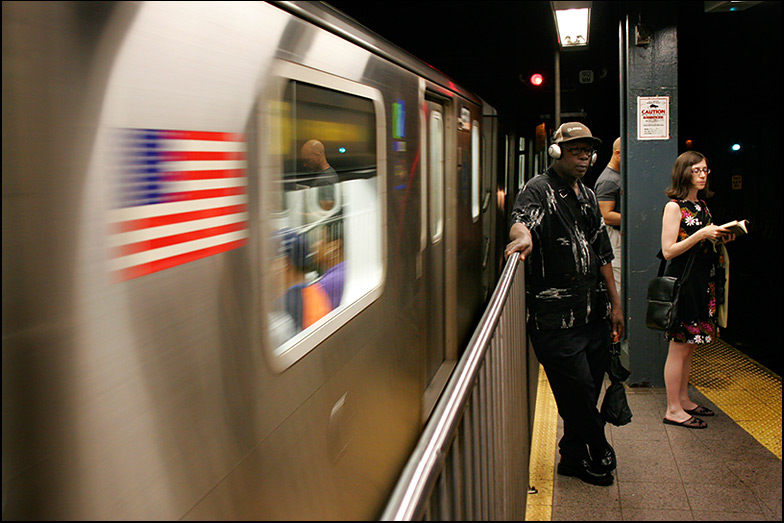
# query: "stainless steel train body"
{"type": "Point", "coordinates": [153, 201]}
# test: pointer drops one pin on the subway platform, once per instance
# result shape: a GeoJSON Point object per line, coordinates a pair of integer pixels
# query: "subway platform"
{"type": "Point", "coordinates": [730, 471]}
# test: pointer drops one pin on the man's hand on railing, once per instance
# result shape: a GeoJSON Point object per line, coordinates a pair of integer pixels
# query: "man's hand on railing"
{"type": "Point", "coordinates": [521, 241]}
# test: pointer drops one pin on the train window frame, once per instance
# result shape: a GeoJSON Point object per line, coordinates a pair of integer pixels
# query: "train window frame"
{"type": "Point", "coordinates": [436, 175]}
{"type": "Point", "coordinates": [476, 192]}
{"type": "Point", "coordinates": [283, 72]}
{"type": "Point", "coordinates": [423, 195]}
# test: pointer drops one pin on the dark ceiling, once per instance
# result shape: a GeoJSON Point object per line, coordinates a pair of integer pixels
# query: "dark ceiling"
{"type": "Point", "coordinates": [493, 47]}
{"type": "Point", "coordinates": [726, 60]}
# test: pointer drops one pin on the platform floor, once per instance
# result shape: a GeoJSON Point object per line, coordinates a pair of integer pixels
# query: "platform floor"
{"type": "Point", "coordinates": [730, 471]}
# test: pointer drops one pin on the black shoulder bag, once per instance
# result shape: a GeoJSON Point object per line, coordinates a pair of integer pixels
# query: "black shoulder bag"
{"type": "Point", "coordinates": [663, 294]}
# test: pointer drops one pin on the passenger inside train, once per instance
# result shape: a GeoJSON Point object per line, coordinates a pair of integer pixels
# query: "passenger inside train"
{"type": "Point", "coordinates": [306, 300]}
{"type": "Point", "coordinates": [331, 265]}
{"type": "Point", "coordinates": [325, 177]}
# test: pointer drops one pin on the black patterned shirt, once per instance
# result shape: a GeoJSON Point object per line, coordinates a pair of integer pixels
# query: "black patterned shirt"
{"type": "Point", "coordinates": [564, 287]}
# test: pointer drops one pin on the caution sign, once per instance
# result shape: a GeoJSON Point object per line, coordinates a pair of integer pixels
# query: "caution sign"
{"type": "Point", "coordinates": [653, 117]}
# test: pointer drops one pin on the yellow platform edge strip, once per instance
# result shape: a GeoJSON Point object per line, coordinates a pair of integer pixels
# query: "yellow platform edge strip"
{"type": "Point", "coordinates": [746, 391]}
{"type": "Point", "coordinates": [539, 506]}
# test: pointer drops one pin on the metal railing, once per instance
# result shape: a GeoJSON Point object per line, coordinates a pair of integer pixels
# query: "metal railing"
{"type": "Point", "coordinates": [471, 462]}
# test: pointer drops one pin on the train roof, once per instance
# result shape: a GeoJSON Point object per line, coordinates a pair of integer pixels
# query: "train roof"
{"type": "Point", "coordinates": [335, 21]}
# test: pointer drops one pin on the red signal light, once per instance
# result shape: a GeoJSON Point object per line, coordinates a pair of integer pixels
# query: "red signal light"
{"type": "Point", "coordinates": [537, 79]}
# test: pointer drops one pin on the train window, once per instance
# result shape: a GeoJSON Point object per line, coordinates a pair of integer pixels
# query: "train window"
{"type": "Point", "coordinates": [436, 170]}
{"type": "Point", "coordinates": [475, 187]}
{"type": "Point", "coordinates": [325, 254]}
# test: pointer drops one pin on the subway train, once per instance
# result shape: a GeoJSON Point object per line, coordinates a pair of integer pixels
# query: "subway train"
{"type": "Point", "coordinates": [244, 244]}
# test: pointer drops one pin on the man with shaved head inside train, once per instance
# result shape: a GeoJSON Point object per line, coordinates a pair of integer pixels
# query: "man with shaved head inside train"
{"type": "Point", "coordinates": [314, 158]}
{"type": "Point", "coordinates": [573, 308]}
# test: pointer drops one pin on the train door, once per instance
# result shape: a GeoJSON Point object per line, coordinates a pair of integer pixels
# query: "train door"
{"type": "Point", "coordinates": [438, 365]}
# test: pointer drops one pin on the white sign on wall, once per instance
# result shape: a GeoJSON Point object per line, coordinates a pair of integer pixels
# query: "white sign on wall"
{"type": "Point", "coordinates": [653, 117]}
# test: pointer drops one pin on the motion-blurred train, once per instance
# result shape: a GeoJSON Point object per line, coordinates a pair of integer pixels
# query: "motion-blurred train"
{"type": "Point", "coordinates": [196, 323]}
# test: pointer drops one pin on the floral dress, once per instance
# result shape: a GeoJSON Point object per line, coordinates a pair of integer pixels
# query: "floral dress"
{"type": "Point", "coordinates": [696, 311]}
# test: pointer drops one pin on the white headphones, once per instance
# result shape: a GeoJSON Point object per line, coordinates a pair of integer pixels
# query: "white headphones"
{"type": "Point", "coordinates": [555, 153]}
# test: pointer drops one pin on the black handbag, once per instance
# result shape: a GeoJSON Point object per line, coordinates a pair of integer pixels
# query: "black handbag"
{"type": "Point", "coordinates": [663, 297]}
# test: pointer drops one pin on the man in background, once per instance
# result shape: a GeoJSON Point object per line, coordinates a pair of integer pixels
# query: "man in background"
{"type": "Point", "coordinates": [608, 192]}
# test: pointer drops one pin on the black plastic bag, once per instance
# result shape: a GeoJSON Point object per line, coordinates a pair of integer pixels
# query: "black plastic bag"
{"type": "Point", "coordinates": [615, 409]}
{"type": "Point", "coordinates": [617, 372]}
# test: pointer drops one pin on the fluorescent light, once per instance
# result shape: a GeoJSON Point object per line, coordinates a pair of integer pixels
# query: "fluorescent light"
{"type": "Point", "coordinates": [573, 23]}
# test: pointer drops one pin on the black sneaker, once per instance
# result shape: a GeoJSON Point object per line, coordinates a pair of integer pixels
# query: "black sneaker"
{"type": "Point", "coordinates": [584, 471]}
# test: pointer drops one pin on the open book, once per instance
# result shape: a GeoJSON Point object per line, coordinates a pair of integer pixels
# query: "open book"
{"type": "Point", "coordinates": [738, 228]}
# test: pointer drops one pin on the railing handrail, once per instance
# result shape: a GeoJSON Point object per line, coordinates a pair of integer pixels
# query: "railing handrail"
{"type": "Point", "coordinates": [409, 498]}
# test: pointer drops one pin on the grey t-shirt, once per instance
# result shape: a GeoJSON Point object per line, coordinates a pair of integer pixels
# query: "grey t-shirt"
{"type": "Point", "coordinates": [608, 188]}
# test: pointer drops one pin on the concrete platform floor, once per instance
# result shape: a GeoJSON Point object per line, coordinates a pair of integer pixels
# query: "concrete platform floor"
{"type": "Point", "coordinates": [730, 471]}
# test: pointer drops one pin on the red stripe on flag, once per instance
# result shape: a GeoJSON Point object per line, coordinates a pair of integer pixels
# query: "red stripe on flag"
{"type": "Point", "coordinates": [170, 219]}
{"type": "Point", "coordinates": [203, 156]}
{"type": "Point", "coordinates": [205, 193]}
{"type": "Point", "coordinates": [216, 174]}
{"type": "Point", "coordinates": [167, 263]}
{"type": "Point", "coordinates": [157, 243]}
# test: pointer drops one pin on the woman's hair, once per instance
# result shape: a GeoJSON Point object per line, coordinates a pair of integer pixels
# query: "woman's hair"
{"type": "Point", "coordinates": [681, 177]}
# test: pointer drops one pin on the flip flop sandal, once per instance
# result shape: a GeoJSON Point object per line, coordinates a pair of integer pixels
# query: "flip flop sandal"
{"type": "Point", "coordinates": [691, 423]}
{"type": "Point", "coordinates": [699, 410]}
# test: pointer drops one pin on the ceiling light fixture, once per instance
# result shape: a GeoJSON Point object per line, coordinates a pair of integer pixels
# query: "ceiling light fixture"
{"type": "Point", "coordinates": [573, 23]}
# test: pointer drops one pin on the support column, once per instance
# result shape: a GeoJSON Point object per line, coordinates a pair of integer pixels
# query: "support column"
{"type": "Point", "coordinates": [649, 80]}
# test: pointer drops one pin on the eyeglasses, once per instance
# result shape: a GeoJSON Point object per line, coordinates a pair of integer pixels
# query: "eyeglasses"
{"type": "Point", "coordinates": [697, 170]}
{"type": "Point", "coordinates": [574, 151]}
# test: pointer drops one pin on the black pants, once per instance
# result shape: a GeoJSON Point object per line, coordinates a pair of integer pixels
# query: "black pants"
{"type": "Point", "coordinates": [575, 361]}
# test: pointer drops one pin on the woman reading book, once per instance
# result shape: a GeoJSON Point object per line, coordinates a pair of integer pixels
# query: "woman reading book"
{"type": "Point", "coordinates": [688, 240]}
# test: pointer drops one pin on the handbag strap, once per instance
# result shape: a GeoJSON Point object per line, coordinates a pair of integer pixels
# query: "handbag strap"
{"type": "Point", "coordinates": [686, 270]}
{"type": "Point", "coordinates": [663, 263]}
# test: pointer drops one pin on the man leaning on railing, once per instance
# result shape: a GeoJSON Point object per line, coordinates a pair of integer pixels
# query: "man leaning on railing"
{"type": "Point", "coordinates": [573, 308]}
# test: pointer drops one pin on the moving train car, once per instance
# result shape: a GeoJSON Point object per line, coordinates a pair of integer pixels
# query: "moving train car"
{"type": "Point", "coordinates": [243, 246]}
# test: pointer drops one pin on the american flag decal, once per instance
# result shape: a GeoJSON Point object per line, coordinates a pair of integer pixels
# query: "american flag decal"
{"type": "Point", "coordinates": [181, 196]}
